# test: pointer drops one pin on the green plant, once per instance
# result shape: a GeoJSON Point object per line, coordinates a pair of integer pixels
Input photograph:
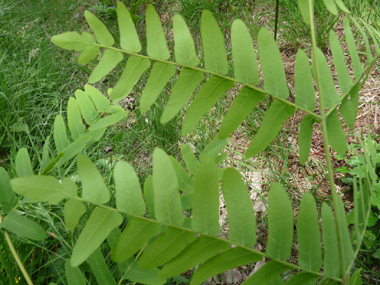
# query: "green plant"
{"type": "Point", "coordinates": [162, 243]}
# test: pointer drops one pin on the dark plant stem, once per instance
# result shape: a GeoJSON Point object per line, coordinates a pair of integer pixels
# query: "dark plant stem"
{"type": "Point", "coordinates": [276, 20]}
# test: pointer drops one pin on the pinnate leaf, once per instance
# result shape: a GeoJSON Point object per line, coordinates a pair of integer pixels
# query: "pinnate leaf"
{"type": "Point", "coordinates": [330, 5]}
{"type": "Point", "coordinates": [303, 6]}
{"type": "Point", "coordinates": [186, 82]}
{"type": "Point", "coordinates": [280, 223]}
{"type": "Point", "coordinates": [213, 44]}
{"type": "Point", "coordinates": [305, 97]}
{"type": "Point", "coordinates": [270, 126]}
{"type": "Point", "coordinates": [149, 196]}
{"type": "Point", "coordinates": [143, 276]}
{"type": "Point", "coordinates": [303, 278]}
{"type": "Point", "coordinates": [99, 100]}
{"type": "Point", "coordinates": [8, 199]}
{"type": "Point", "coordinates": [159, 76]}
{"type": "Point", "coordinates": [86, 107]}
{"type": "Point", "coordinates": [243, 54]}
{"type": "Point", "coordinates": [109, 120]}
{"type": "Point", "coordinates": [103, 36]}
{"type": "Point", "coordinates": [73, 274]}
{"type": "Point", "coordinates": [108, 61]}
{"type": "Point", "coordinates": [129, 197]}
{"type": "Point", "coordinates": [182, 176]}
{"type": "Point", "coordinates": [129, 39]}
{"type": "Point", "coordinates": [335, 133]}
{"type": "Point", "coordinates": [156, 42]}
{"type": "Point", "coordinates": [22, 226]}
{"type": "Point", "coordinates": [76, 126]}
{"type": "Point", "coordinates": [101, 222]}
{"type": "Point", "coordinates": [60, 137]}
{"type": "Point", "coordinates": [23, 164]}
{"type": "Point", "coordinates": [349, 107]}
{"type": "Point", "coordinates": [271, 65]}
{"type": "Point", "coordinates": [88, 54]}
{"type": "Point", "coordinates": [304, 137]}
{"type": "Point", "coordinates": [100, 269]}
{"type": "Point", "coordinates": [190, 159]}
{"type": "Point", "coordinates": [74, 148]}
{"type": "Point", "coordinates": [213, 148]}
{"type": "Point", "coordinates": [356, 65]}
{"type": "Point", "coordinates": [72, 212]}
{"type": "Point", "coordinates": [207, 97]}
{"type": "Point", "coordinates": [71, 40]}
{"type": "Point", "coordinates": [267, 273]}
{"type": "Point", "coordinates": [341, 6]}
{"type": "Point", "coordinates": [241, 217]}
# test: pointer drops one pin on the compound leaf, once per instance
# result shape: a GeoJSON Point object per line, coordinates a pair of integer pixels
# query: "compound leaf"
{"type": "Point", "coordinates": [99, 100]}
{"type": "Point", "coordinates": [335, 133]}
{"type": "Point", "coordinates": [209, 94]}
{"type": "Point", "coordinates": [280, 223]}
{"type": "Point", "coordinates": [213, 148]}
{"type": "Point", "coordinates": [86, 107]}
{"type": "Point", "coordinates": [303, 6]}
{"type": "Point", "coordinates": [330, 5]}
{"type": "Point", "coordinates": [109, 120]}
{"type": "Point", "coordinates": [271, 65]}
{"type": "Point", "coordinates": [129, 197]}
{"type": "Point", "coordinates": [305, 96]}
{"type": "Point", "coordinates": [156, 42]}
{"type": "Point", "coordinates": [149, 196]}
{"type": "Point", "coordinates": [143, 276]}
{"type": "Point", "coordinates": [129, 40]}
{"type": "Point", "coordinates": [23, 164]}
{"type": "Point", "coordinates": [213, 44]}
{"type": "Point", "coordinates": [74, 117]}
{"type": "Point", "coordinates": [304, 137]}
{"type": "Point", "coordinates": [356, 65]}
{"type": "Point", "coordinates": [101, 222]}
{"type": "Point", "coordinates": [182, 176]}
{"type": "Point", "coordinates": [8, 199]}
{"type": "Point", "coordinates": [267, 273]}
{"type": "Point", "coordinates": [349, 107]}
{"type": "Point", "coordinates": [60, 137]}
{"type": "Point", "coordinates": [190, 159]}
{"type": "Point", "coordinates": [341, 6]}
{"type": "Point", "coordinates": [73, 274]}
{"type": "Point", "coordinates": [270, 126]}
{"type": "Point", "coordinates": [72, 212]}
{"type": "Point", "coordinates": [302, 278]}
{"type": "Point", "coordinates": [22, 226]}
{"type": "Point", "coordinates": [74, 148]}
{"type": "Point", "coordinates": [161, 73]}
{"type": "Point", "coordinates": [108, 61]}
{"type": "Point", "coordinates": [241, 217]}
{"type": "Point", "coordinates": [70, 40]}
{"type": "Point", "coordinates": [88, 54]}
{"type": "Point", "coordinates": [103, 36]}
{"type": "Point", "coordinates": [100, 269]}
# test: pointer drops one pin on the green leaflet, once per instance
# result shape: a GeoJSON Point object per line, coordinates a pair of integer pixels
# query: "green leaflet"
{"type": "Point", "coordinates": [108, 61]}
{"type": "Point", "coordinates": [330, 242]}
{"type": "Point", "coordinates": [143, 276]}
{"type": "Point", "coordinates": [355, 278]}
{"type": "Point", "coordinates": [327, 89]}
{"type": "Point", "coordinates": [99, 100]}
{"type": "Point", "coordinates": [373, 37]}
{"type": "Point", "coordinates": [88, 54]}
{"type": "Point", "coordinates": [114, 109]}
{"type": "Point", "coordinates": [182, 176]}
{"type": "Point", "coordinates": [267, 273]}
{"type": "Point", "coordinates": [309, 242]}
{"type": "Point", "coordinates": [271, 65]}
{"type": "Point", "coordinates": [186, 82]}
{"type": "Point", "coordinates": [198, 251]}
{"type": "Point", "coordinates": [60, 137]}
{"type": "Point", "coordinates": [213, 148]}
{"type": "Point", "coordinates": [167, 201]}
{"type": "Point", "coordinates": [239, 110]}
{"type": "Point", "coordinates": [222, 262]}
{"type": "Point", "coordinates": [356, 65]}
{"type": "Point", "coordinates": [344, 78]}
{"type": "Point", "coordinates": [86, 107]}
{"type": "Point", "coordinates": [45, 154]}
{"type": "Point", "coordinates": [303, 6]}
{"type": "Point", "coordinates": [280, 223]}
{"type": "Point", "coordinates": [22, 226]}
{"type": "Point", "coordinates": [73, 274]}
{"type": "Point", "coordinates": [74, 148]}
{"type": "Point", "coordinates": [213, 44]}
{"type": "Point", "coordinates": [270, 126]}
{"type": "Point", "coordinates": [149, 196]}
{"type": "Point", "coordinates": [341, 6]}
{"type": "Point", "coordinates": [132, 72]}
{"type": "Point", "coordinates": [76, 126]}
{"type": "Point", "coordinates": [330, 5]}
{"type": "Point", "coordinates": [303, 278]}
{"type": "Point", "coordinates": [129, 197]}
{"type": "Point", "coordinates": [71, 40]}
{"type": "Point", "coordinates": [8, 199]}
{"type": "Point", "coordinates": [191, 161]}
{"type": "Point", "coordinates": [183, 43]}
{"type": "Point", "coordinates": [93, 188]}
{"type": "Point", "coordinates": [241, 217]}
{"type": "Point", "coordinates": [304, 85]}
{"type": "Point", "coordinates": [349, 256]}
{"type": "Point", "coordinates": [109, 120]}
{"type": "Point", "coordinates": [159, 76]}
{"type": "Point", "coordinates": [101, 222]}
{"type": "Point", "coordinates": [135, 235]}
{"type": "Point", "coordinates": [39, 188]}
{"type": "Point", "coordinates": [349, 107]}
{"type": "Point", "coordinates": [304, 137]}
{"type": "Point", "coordinates": [365, 39]}
{"type": "Point", "coordinates": [23, 164]}
{"type": "Point", "coordinates": [156, 42]}
{"type": "Point", "coordinates": [72, 212]}
{"type": "Point", "coordinates": [335, 133]}
{"type": "Point", "coordinates": [206, 198]}
{"type": "Point", "coordinates": [207, 97]}
{"type": "Point", "coordinates": [101, 32]}
{"type": "Point", "coordinates": [100, 269]}
{"type": "Point", "coordinates": [95, 135]}
{"type": "Point", "coordinates": [243, 54]}
{"type": "Point", "coordinates": [158, 252]}
{"type": "Point", "coordinates": [129, 40]}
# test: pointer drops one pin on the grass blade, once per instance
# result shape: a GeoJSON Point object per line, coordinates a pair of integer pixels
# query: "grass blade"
{"type": "Point", "coordinates": [186, 82]}
{"type": "Point", "coordinates": [270, 126]}
{"type": "Point", "coordinates": [159, 76]}
{"type": "Point", "coordinates": [241, 217]}
{"type": "Point", "coordinates": [335, 133]}
{"type": "Point", "coordinates": [271, 65]}
{"type": "Point", "coordinates": [129, 40]}
{"type": "Point", "coordinates": [100, 269]}
{"type": "Point", "coordinates": [72, 212]}
{"type": "Point", "coordinates": [213, 44]}
{"type": "Point", "coordinates": [108, 62]}
{"type": "Point", "coordinates": [280, 223]}
{"type": "Point", "coordinates": [101, 222]}
{"type": "Point", "coordinates": [129, 197]}
{"type": "Point", "coordinates": [103, 36]}
{"type": "Point", "coordinates": [156, 42]}
{"type": "Point", "coordinates": [135, 235]}
{"type": "Point", "coordinates": [304, 137]}
{"type": "Point", "coordinates": [45, 154]}
{"type": "Point", "coordinates": [207, 97]}
{"type": "Point", "coordinates": [23, 164]}
{"type": "Point", "coordinates": [305, 96]}
{"type": "Point", "coordinates": [8, 199]}
{"type": "Point", "coordinates": [243, 54]}
{"type": "Point", "coordinates": [183, 43]}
